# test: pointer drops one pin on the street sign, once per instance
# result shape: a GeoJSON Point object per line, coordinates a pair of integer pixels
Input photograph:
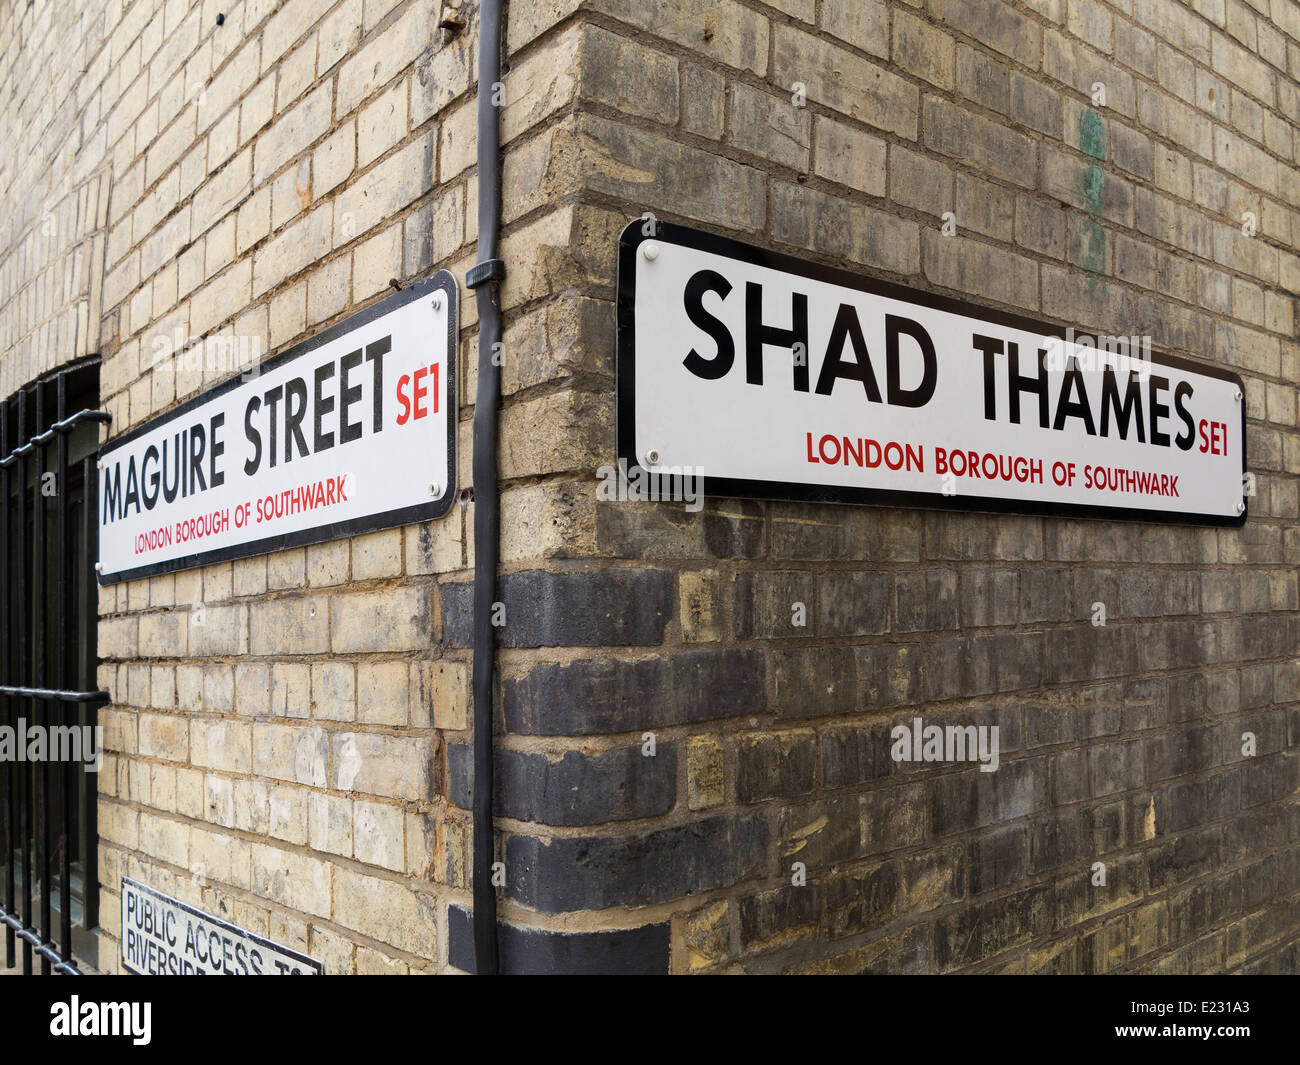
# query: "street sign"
{"type": "Point", "coordinates": [347, 432]}
{"type": "Point", "coordinates": [758, 374]}
{"type": "Point", "coordinates": [164, 937]}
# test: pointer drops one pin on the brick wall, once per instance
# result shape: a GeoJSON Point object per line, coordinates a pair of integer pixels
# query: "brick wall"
{"type": "Point", "coordinates": [272, 738]}
{"type": "Point", "coordinates": [1122, 743]}
{"type": "Point", "coordinates": [55, 193]}
{"type": "Point", "coordinates": [288, 740]}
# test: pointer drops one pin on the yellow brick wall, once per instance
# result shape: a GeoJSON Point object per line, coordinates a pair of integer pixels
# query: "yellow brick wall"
{"type": "Point", "coordinates": [277, 722]}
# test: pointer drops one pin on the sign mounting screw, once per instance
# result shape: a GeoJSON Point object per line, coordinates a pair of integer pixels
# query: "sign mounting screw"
{"type": "Point", "coordinates": [1241, 507]}
{"type": "Point", "coordinates": [437, 301]}
{"type": "Point", "coordinates": [1237, 395]}
{"type": "Point", "coordinates": [435, 490]}
{"type": "Point", "coordinates": [651, 252]}
{"type": "Point", "coordinates": [652, 456]}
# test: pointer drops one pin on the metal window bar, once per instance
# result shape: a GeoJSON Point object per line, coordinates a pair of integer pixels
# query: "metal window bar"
{"type": "Point", "coordinates": [41, 672]}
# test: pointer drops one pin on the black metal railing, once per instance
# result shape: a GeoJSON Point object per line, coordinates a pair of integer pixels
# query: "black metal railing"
{"type": "Point", "coordinates": [48, 614]}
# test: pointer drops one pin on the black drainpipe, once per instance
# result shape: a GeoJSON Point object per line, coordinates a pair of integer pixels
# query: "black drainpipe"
{"type": "Point", "coordinates": [485, 279]}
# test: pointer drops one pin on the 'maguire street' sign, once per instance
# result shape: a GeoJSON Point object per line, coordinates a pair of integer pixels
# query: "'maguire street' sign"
{"type": "Point", "coordinates": [772, 377]}
{"type": "Point", "coordinates": [349, 431]}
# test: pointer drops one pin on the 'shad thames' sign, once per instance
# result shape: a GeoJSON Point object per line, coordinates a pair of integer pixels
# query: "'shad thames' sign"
{"type": "Point", "coordinates": [771, 377]}
{"type": "Point", "coordinates": [349, 431]}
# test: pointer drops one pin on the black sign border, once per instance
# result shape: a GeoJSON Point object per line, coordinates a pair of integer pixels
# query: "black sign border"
{"type": "Point", "coordinates": [634, 235]}
{"type": "Point", "coordinates": [443, 281]}
{"type": "Point", "coordinates": [279, 948]}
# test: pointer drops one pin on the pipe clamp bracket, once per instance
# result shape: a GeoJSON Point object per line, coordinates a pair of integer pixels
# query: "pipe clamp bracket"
{"type": "Point", "coordinates": [492, 270]}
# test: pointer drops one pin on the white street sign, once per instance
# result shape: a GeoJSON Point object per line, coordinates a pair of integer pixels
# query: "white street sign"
{"type": "Point", "coordinates": [772, 377]}
{"type": "Point", "coordinates": [350, 431]}
{"type": "Point", "coordinates": [164, 937]}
